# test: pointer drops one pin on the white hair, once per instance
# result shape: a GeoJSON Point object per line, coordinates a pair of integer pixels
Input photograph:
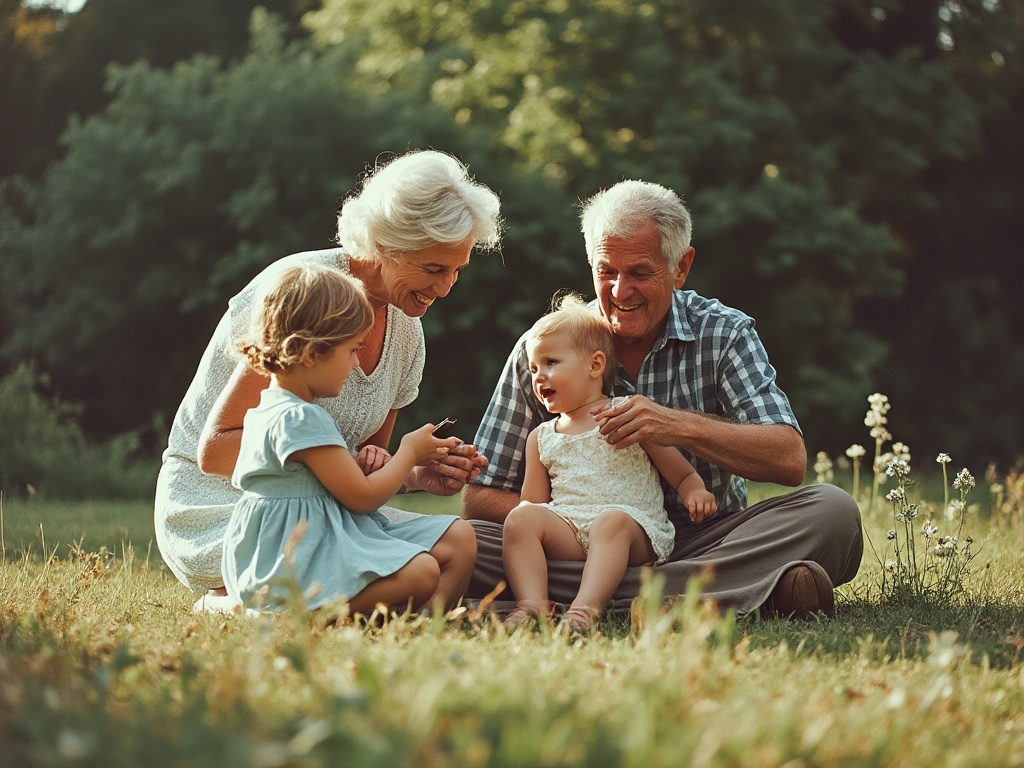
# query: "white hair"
{"type": "Point", "coordinates": [418, 200]}
{"type": "Point", "coordinates": [622, 209]}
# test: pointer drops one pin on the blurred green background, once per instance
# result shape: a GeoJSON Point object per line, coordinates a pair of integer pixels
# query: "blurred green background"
{"type": "Point", "coordinates": [854, 171]}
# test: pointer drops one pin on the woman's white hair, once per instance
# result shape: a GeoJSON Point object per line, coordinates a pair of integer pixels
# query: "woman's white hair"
{"type": "Point", "coordinates": [418, 200]}
{"type": "Point", "coordinates": [622, 209]}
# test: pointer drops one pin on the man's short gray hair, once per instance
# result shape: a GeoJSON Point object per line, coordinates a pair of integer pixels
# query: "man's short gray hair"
{"type": "Point", "coordinates": [622, 209]}
{"type": "Point", "coordinates": [418, 200]}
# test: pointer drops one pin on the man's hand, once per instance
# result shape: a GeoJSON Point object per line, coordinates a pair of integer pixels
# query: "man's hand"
{"type": "Point", "coordinates": [448, 476]}
{"type": "Point", "coordinates": [370, 458]}
{"type": "Point", "coordinates": [635, 420]}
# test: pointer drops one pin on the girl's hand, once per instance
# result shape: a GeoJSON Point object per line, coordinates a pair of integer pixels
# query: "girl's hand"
{"type": "Point", "coordinates": [702, 506]}
{"type": "Point", "coordinates": [370, 458]}
{"type": "Point", "coordinates": [424, 447]}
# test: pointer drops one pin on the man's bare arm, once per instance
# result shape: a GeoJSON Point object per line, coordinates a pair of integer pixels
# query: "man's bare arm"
{"type": "Point", "coordinates": [482, 503]}
{"type": "Point", "coordinates": [767, 453]}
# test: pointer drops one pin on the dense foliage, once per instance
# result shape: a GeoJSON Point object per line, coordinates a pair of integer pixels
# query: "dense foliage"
{"type": "Point", "coordinates": [852, 168]}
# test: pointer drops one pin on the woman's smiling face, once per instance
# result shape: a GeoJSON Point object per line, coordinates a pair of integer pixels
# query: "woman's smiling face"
{"type": "Point", "coordinates": [415, 280]}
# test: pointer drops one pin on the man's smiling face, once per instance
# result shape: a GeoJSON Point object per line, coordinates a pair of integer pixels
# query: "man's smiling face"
{"type": "Point", "coordinates": [634, 283]}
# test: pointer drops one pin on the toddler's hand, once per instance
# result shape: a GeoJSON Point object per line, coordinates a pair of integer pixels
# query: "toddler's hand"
{"type": "Point", "coordinates": [370, 458]}
{"type": "Point", "coordinates": [425, 447]}
{"type": "Point", "coordinates": [702, 506]}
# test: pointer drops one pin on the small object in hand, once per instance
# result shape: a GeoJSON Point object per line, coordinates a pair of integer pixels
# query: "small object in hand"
{"type": "Point", "coordinates": [445, 428]}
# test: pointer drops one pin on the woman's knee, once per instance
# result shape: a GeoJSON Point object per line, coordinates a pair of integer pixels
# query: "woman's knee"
{"type": "Point", "coordinates": [458, 542]}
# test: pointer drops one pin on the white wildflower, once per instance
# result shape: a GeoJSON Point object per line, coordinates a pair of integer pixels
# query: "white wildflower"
{"type": "Point", "coordinates": [964, 479]}
{"type": "Point", "coordinates": [902, 452]}
{"type": "Point", "coordinates": [823, 468]}
{"type": "Point", "coordinates": [891, 535]}
{"type": "Point", "coordinates": [896, 495]}
{"type": "Point", "coordinates": [956, 507]}
{"type": "Point", "coordinates": [880, 434]}
{"type": "Point", "coordinates": [897, 468]}
{"type": "Point", "coordinates": [943, 458]}
{"type": "Point", "coordinates": [855, 451]}
{"type": "Point", "coordinates": [879, 402]}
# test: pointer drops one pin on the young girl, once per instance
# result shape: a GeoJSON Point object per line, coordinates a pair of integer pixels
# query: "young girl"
{"type": "Point", "coordinates": [581, 498]}
{"type": "Point", "coordinates": [296, 470]}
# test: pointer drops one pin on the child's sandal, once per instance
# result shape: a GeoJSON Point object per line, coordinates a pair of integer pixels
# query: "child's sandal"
{"type": "Point", "coordinates": [525, 610]}
{"type": "Point", "coordinates": [580, 619]}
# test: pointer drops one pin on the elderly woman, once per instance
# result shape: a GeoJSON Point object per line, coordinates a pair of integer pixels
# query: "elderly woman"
{"type": "Point", "coordinates": [407, 234]}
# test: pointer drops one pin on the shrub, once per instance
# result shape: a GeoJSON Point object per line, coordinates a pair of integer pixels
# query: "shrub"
{"type": "Point", "coordinates": [43, 449]}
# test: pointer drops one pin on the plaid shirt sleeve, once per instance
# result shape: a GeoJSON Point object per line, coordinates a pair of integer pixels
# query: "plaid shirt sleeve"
{"type": "Point", "coordinates": [510, 417]}
{"type": "Point", "coordinates": [747, 381]}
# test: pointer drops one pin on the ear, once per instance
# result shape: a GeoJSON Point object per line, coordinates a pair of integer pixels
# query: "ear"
{"type": "Point", "coordinates": [598, 362]}
{"type": "Point", "coordinates": [309, 360]}
{"type": "Point", "coordinates": [683, 270]}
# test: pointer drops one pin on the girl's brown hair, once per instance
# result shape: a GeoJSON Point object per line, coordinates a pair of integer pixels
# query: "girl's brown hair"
{"type": "Point", "coordinates": [305, 314]}
{"type": "Point", "coordinates": [588, 332]}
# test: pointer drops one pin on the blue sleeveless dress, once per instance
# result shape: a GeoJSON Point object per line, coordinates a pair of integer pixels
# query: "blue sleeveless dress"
{"type": "Point", "coordinates": [340, 552]}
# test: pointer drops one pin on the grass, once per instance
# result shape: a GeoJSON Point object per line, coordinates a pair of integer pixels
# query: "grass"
{"type": "Point", "coordinates": [103, 663]}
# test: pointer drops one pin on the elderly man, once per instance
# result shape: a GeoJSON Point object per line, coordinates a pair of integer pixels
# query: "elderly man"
{"type": "Point", "coordinates": [699, 380]}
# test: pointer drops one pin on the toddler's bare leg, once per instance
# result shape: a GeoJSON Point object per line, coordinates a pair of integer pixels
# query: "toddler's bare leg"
{"type": "Point", "coordinates": [532, 534]}
{"type": "Point", "coordinates": [416, 580]}
{"type": "Point", "coordinates": [616, 542]}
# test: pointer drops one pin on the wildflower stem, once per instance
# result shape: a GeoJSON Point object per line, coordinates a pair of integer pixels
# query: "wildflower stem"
{"type": "Point", "coordinates": [945, 487]}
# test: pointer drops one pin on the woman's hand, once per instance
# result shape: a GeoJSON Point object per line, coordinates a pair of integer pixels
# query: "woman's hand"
{"type": "Point", "coordinates": [370, 458]}
{"type": "Point", "coordinates": [449, 475]}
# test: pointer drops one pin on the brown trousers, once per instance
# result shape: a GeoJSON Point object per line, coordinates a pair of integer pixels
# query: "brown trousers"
{"type": "Point", "coordinates": [740, 556]}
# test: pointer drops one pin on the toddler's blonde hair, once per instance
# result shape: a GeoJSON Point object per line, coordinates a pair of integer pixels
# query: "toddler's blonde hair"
{"type": "Point", "coordinates": [305, 314]}
{"type": "Point", "coordinates": [588, 332]}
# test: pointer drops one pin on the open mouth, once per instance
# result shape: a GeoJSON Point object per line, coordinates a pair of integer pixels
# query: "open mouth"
{"type": "Point", "coordinates": [419, 297]}
{"type": "Point", "coordinates": [624, 307]}
{"type": "Point", "coordinates": [546, 393]}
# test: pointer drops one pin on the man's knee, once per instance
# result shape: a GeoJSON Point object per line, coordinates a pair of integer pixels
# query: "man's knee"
{"type": "Point", "coordinates": [836, 504]}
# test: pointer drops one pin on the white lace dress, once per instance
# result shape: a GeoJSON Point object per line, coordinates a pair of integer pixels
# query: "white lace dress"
{"type": "Point", "coordinates": [589, 477]}
{"type": "Point", "coordinates": [192, 509]}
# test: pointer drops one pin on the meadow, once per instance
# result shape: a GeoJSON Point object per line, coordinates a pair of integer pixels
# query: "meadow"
{"type": "Point", "coordinates": [102, 662]}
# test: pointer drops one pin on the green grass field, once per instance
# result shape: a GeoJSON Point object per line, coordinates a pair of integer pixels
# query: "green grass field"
{"type": "Point", "coordinates": [103, 663]}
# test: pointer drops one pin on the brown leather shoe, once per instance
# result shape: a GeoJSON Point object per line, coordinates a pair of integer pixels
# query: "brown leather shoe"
{"type": "Point", "coordinates": [801, 591]}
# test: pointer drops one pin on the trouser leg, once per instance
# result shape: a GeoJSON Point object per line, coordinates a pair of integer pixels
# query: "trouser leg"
{"type": "Point", "coordinates": [741, 556]}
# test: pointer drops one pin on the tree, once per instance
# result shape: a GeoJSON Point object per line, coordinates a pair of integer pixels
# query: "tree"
{"type": "Point", "coordinates": [117, 267]}
{"type": "Point", "coordinates": [784, 140]}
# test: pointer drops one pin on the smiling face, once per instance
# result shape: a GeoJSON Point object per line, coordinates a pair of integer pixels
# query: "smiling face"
{"type": "Point", "coordinates": [563, 377]}
{"type": "Point", "coordinates": [325, 376]}
{"type": "Point", "coordinates": [634, 284]}
{"type": "Point", "coordinates": [413, 281]}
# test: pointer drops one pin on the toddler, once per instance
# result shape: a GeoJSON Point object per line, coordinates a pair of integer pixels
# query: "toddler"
{"type": "Point", "coordinates": [583, 499]}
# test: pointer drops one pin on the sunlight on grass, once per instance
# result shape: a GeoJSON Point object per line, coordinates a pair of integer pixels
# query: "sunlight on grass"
{"type": "Point", "coordinates": [100, 655]}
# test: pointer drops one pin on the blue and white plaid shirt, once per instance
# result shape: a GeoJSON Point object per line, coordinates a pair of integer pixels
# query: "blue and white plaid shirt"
{"type": "Point", "coordinates": [708, 358]}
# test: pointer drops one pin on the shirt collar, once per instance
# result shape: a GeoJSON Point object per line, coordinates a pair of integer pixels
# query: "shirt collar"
{"type": "Point", "coordinates": [678, 325]}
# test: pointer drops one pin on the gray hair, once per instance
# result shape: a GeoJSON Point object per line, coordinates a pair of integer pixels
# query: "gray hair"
{"type": "Point", "coordinates": [420, 199]}
{"type": "Point", "coordinates": [622, 209]}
